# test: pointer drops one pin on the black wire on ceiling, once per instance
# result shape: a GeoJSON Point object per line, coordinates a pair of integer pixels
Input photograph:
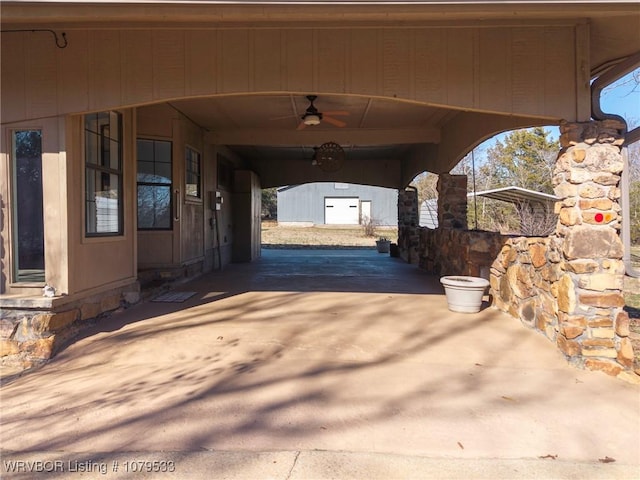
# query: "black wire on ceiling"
{"type": "Point", "coordinates": [61, 42]}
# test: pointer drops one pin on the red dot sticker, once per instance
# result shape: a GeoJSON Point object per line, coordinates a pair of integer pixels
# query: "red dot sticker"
{"type": "Point", "coordinates": [599, 217]}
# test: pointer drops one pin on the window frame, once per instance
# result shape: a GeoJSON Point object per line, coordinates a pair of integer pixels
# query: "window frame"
{"type": "Point", "coordinates": [156, 184]}
{"type": "Point", "coordinates": [104, 138]}
{"type": "Point", "coordinates": [16, 277]}
{"type": "Point", "coordinates": [189, 151]}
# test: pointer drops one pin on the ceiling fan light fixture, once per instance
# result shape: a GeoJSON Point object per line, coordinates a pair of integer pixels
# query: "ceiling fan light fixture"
{"type": "Point", "coordinates": [311, 119]}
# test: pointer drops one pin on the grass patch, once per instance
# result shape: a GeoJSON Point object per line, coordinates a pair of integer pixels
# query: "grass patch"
{"type": "Point", "coordinates": [322, 236]}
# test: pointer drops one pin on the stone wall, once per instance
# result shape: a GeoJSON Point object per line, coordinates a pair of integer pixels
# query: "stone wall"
{"type": "Point", "coordinates": [452, 203]}
{"type": "Point", "coordinates": [33, 329]}
{"type": "Point", "coordinates": [458, 252]}
{"type": "Point", "coordinates": [525, 282]}
{"type": "Point", "coordinates": [451, 249]}
{"type": "Point", "coordinates": [408, 229]}
{"type": "Point", "coordinates": [570, 286]}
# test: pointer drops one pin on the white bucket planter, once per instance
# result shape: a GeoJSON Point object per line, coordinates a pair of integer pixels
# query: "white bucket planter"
{"type": "Point", "coordinates": [464, 294]}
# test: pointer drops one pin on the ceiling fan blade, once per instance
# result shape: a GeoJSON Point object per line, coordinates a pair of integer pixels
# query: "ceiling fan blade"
{"type": "Point", "coordinates": [339, 113]}
{"type": "Point", "coordinates": [334, 121]}
{"type": "Point", "coordinates": [301, 126]}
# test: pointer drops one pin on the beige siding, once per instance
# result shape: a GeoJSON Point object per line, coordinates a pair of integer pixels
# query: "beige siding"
{"type": "Point", "coordinates": [461, 67]}
{"type": "Point", "coordinates": [168, 64]}
{"type": "Point", "coordinates": [363, 61]}
{"type": "Point", "coordinates": [100, 261]}
{"type": "Point", "coordinates": [558, 80]}
{"type": "Point", "coordinates": [39, 71]}
{"type": "Point", "coordinates": [499, 69]}
{"type": "Point", "coordinates": [73, 73]}
{"type": "Point", "coordinates": [13, 74]}
{"type": "Point", "coordinates": [299, 58]}
{"type": "Point", "coordinates": [105, 69]}
{"type": "Point", "coordinates": [495, 75]}
{"type": "Point", "coordinates": [54, 190]}
{"type": "Point", "coordinates": [155, 249]}
{"type": "Point", "coordinates": [331, 60]}
{"type": "Point", "coordinates": [267, 60]}
{"type": "Point", "coordinates": [397, 63]}
{"type": "Point", "coordinates": [430, 66]}
{"type": "Point", "coordinates": [54, 194]}
{"type": "Point", "coordinates": [201, 53]}
{"type": "Point", "coordinates": [159, 248]}
{"type": "Point", "coordinates": [185, 243]}
{"type": "Point", "coordinates": [233, 56]}
{"type": "Point", "coordinates": [137, 63]}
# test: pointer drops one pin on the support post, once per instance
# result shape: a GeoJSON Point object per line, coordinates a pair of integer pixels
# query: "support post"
{"type": "Point", "coordinates": [593, 327]}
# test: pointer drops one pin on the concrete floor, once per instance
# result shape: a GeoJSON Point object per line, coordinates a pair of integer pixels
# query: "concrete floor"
{"type": "Point", "coordinates": [319, 364]}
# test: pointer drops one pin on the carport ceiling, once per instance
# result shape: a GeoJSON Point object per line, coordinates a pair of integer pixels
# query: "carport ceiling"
{"type": "Point", "coordinates": [265, 127]}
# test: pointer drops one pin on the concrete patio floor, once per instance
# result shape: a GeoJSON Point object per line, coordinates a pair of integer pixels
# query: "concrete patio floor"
{"type": "Point", "coordinates": [317, 364]}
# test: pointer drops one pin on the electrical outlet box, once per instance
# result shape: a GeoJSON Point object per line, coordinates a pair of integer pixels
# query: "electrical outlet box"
{"type": "Point", "coordinates": [215, 200]}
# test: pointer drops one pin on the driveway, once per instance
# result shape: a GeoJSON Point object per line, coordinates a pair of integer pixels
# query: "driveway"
{"type": "Point", "coordinates": [317, 364]}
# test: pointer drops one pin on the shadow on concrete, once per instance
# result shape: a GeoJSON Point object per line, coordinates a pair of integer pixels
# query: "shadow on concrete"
{"type": "Point", "coordinates": [269, 357]}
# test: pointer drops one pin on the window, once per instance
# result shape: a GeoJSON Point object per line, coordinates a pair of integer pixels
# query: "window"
{"type": "Point", "coordinates": [192, 160]}
{"type": "Point", "coordinates": [28, 218]}
{"type": "Point", "coordinates": [103, 174]}
{"type": "Point", "coordinates": [154, 185]}
{"type": "Point", "coordinates": [225, 173]}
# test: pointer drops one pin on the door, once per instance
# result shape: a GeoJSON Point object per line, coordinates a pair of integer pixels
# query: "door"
{"type": "Point", "coordinates": [28, 211]}
{"type": "Point", "coordinates": [341, 211]}
{"type": "Point", "coordinates": [365, 212]}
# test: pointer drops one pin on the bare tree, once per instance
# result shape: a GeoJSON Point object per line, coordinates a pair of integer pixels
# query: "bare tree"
{"type": "Point", "coordinates": [426, 184]}
{"type": "Point", "coordinates": [536, 219]}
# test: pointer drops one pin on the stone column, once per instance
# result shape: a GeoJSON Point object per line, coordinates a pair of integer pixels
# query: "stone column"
{"type": "Point", "coordinates": [408, 220]}
{"type": "Point", "coordinates": [593, 327]}
{"type": "Point", "coordinates": [452, 201]}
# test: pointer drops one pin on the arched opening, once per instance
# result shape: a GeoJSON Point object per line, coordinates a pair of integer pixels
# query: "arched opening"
{"type": "Point", "coordinates": [330, 214]}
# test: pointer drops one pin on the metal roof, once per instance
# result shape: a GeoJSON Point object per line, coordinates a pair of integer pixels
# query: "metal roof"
{"type": "Point", "coordinates": [516, 195]}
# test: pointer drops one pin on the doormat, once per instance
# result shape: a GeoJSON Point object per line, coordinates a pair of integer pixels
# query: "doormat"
{"type": "Point", "coordinates": [174, 297]}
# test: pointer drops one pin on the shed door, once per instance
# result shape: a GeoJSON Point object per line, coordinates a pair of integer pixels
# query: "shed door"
{"type": "Point", "coordinates": [341, 211]}
{"type": "Point", "coordinates": [365, 211]}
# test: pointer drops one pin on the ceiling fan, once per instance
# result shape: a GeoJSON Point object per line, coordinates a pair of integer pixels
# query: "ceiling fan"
{"type": "Point", "coordinates": [314, 117]}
